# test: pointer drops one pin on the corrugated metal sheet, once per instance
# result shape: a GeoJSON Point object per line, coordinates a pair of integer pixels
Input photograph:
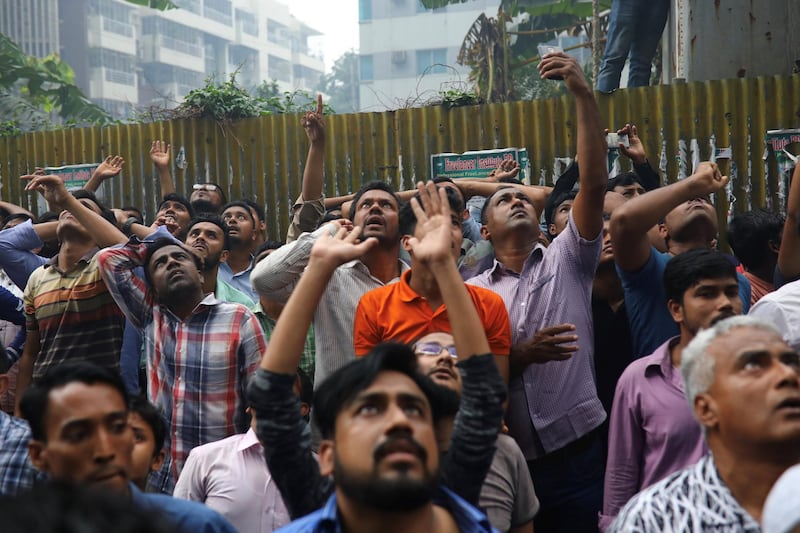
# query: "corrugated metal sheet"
{"type": "Point", "coordinates": [263, 158]}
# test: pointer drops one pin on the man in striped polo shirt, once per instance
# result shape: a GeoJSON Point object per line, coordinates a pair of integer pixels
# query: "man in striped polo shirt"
{"type": "Point", "coordinates": [69, 312]}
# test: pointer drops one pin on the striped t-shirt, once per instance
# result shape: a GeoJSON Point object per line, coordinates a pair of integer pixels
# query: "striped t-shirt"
{"type": "Point", "coordinates": [74, 316]}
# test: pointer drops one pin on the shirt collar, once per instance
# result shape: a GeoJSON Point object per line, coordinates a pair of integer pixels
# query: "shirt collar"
{"type": "Point", "coordinates": [53, 261]}
{"type": "Point", "coordinates": [405, 292]}
{"type": "Point", "coordinates": [248, 440]}
{"type": "Point", "coordinates": [663, 363]}
{"type": "Point", "coordinates": [499, 269]}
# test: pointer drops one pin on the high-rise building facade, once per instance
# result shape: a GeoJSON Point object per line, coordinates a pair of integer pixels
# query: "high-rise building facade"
{"type": "Point", "coordinates": [125, 56]}
{"type": "Point", "coordinates": [408, 53]}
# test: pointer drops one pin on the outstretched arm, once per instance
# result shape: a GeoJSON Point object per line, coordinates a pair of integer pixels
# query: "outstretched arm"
{"type": "Point", "coordinates": [103, 232]}
{"type": "Point", "coordinates": [311, 206]}
{"type": "Point", "coordinates": [633, 219]}
{"type": "Point", "coordinates": [279, 426]}
{"type": "Point", "coordinates": [160, 155]}
{"type": "Point", "coordinates": [110, 167]}
{"type": "Point", "coordinates": [587, 210]}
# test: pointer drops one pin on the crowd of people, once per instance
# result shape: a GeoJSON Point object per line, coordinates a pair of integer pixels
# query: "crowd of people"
{"type": "Point", "coordinates": [469, 355]}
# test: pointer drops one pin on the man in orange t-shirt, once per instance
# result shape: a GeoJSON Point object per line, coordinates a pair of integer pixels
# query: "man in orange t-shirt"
{"type": "Point", "coordinates": [405, 311]}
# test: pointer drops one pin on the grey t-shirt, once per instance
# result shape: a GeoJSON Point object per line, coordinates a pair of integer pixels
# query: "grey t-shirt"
{"type": "Point", "coordinates": [507, 496]}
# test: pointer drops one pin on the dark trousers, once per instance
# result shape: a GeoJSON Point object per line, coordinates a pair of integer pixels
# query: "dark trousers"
{"type": "Point", "coordinates": [569, 484]}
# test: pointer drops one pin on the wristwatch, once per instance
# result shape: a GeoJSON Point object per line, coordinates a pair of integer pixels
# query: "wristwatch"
{"type": "Point", "coordinates": [126, 227]}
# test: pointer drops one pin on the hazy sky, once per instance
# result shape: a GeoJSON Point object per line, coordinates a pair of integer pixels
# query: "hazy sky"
{"type": "Point", "coordinates": [337, 19]}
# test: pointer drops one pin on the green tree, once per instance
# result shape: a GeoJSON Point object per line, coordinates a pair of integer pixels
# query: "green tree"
{"type": "Point", "coordinates": [502, 51]}
{"type": "Point", "coordinates": [341, 84]}
{"type": "Point", "coordinates": [34, 90]}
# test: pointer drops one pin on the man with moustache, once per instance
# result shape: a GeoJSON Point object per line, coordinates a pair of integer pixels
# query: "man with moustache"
{"type": "Point", "coordinates": [376, 414]}
{"type": "Point", "coordinates": [208, 237]}
{"type": "Point", "coordinates": [374, 209]}
{"type": "Point", "coordinates": [743, 385]}
{"type": "Point", "coordinates": [652, 433]}
{"type": "Point", "coordinates": [78, 414]}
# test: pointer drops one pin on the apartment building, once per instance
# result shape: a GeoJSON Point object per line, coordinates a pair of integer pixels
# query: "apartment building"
{"type": "Point", "coordinates": [408, 53]}
{"type": "Point", "coordinates": [126, 56]}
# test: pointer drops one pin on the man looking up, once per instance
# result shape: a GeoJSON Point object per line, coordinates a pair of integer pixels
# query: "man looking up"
{"type": "Point", "coordinates": [199, 350]}
{"type": "Point", "coordinates": [78, 415]}
{"type": "Point", "coordinates": [207, 198]}
{"type": "Point", "coordinates": [743, 385]}
{"type": "Point", "coordinates": [375, 210]}
{"type": "Point", "coordinates": [69, 312]}
{"type": "Point", "coordinates": [507, 496]}
{"type": "Point", "coordinates": [652, 433]}
{"type": "Point", "coordinates": [376, 414]}
{"type": "Point", "coordinates": [544, 288]}
{"type": "Point", "coordinates": [404, 311]}
{"type": "Point", "coordinates": [242, 233]}
{"type": "Point", "coordinates": [208, 237]}
{"type": "Point", "coordinates": [687, 221]}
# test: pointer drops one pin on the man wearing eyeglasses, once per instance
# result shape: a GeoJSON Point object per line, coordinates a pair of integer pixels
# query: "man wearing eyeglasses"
{"type": "Point", "coordinates": [414, 306]}
{"type": "Point", "coordinates": [507, 495]}
{"type": "Point", "coordinates": [207, 198]}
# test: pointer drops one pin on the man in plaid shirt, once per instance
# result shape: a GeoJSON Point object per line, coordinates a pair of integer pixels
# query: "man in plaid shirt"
{"type": "Point", "coordinates": [199, 350]}
{"type": "Point", "coordinates": [17, 473]}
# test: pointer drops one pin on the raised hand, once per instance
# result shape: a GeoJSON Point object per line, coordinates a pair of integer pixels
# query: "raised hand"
{"type": "Point", "coordinates": [169, 221]}
{"type": "Point", "coordinates": [314, 123]}
{"type": "Point", "coordinates": [635, 148]}
{"type": "Point", "coordinates": [110, 167]}
{"type": "Point", "coordinates": [707, 179]}
{"type": "Point", "coordinates": [51, 187]}
{"type": "Point", "coordinates": [560, 65]}
{"type": "Point", "coordinates": [160, 154]}
{"type": "Point", "coordinates": [432, 241]}
{"type": "Point", "coordinates": [337, 250]}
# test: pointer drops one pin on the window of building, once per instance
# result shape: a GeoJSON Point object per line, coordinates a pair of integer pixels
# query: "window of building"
{"type": "Point", "coordinates": [247, 22]}
{"type": "Point", "coordinates": [432, 61]}
{"type": "Point", "coordinates": [279, 69]}
{"type": "Point", "coordinates": [365, 70]}
{"type": "Point", "coordinates": [218, 10]}
{"type": "Point", "coordinates": [364, 10]}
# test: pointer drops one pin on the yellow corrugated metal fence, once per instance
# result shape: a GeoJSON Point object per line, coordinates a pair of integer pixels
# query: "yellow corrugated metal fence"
{"type": "Point", "coordinates": [262, 159]}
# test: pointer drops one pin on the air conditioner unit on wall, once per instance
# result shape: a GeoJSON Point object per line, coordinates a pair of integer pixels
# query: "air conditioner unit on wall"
{"type": "Point", "coordinates": [399, 57]}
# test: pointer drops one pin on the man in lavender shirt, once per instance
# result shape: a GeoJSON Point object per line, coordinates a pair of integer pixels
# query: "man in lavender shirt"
{"type": "Point", "coordinates": [553, 407]}
{"type": "Point", "coordinates": [653, 432]}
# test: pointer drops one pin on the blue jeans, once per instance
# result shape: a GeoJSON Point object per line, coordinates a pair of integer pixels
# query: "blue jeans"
{"type": "Point", "coordinates": [634, 30]}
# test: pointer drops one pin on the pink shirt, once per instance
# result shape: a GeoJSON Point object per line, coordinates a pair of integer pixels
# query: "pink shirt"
{"type": "Point", "coordinates": [231, 477]}
{"type": "Point", "coordinates": [652, 432]}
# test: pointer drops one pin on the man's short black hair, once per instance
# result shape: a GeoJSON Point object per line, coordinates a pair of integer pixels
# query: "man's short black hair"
{"type": "Point", "coordinates": [244, 205]}
{"type": "Point", "coordinates": [750, 234]}
{"type": "Point", "coordinates": [623, 180]}
{"type": "Point", "coordinates": [104, 211]}
{"type": "Point", "coordinates": [152, 417]}
{"type": "Point", "coordinates": [329, 216]}
{"type": "Point", "coordinates": [211, 218]}
{"type": "Point", "coordinates": [372, 186]}
{"type": "Point", "coordinates": [175, 197]}
{"type": "Point", "coordinates": [70, 508]}
{"type": "Point", "coordinates": [255, 207]}
{"type": "Point", "coordinates": [37, 396]}
{"type": "Point", "coordinates": [686, 270]}
{"type": "Point", "coordinates": [136, 209]}
{"type": "Point", "coordinates": [344, 385]}
{"type": "Point", "coordinates": [550, 213]}
{"type": "Point", "coordinates": [407, 220]}
{"type": "Point", "coordinates": [163, 242]}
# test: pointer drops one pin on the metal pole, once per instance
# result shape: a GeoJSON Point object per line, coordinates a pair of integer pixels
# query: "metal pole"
{"type": "Point", "coordinates": [596, 57]}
